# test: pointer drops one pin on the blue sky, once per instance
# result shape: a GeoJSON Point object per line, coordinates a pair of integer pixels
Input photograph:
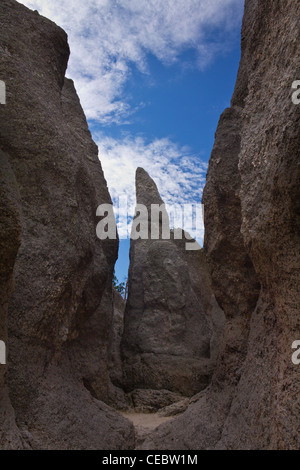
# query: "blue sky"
{"type": "Point", "coordinates": [153, 77]}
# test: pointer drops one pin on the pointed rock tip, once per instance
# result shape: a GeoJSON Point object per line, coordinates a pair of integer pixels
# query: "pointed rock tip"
{"type": "Point", "coordinates": [146, 189]}
{"type": "Point", "coordinates": [140, 172]}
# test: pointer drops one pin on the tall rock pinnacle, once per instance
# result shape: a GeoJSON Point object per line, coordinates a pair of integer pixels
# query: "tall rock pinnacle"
{"type": "Point", "coordinates": [146, 189]}
{"type": "Point", "coordinates": [168, 340]}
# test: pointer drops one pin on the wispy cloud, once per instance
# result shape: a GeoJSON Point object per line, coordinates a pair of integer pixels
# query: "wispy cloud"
{"type": "Point", "coordinates": [179, 175]}
{"type": "Point", "coordinates": [107, 39]}
{"type": "Point", "coordinates": [108, 36]}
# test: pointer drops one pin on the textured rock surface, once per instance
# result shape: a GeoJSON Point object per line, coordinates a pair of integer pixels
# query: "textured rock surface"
{"type": "Point", "coordinates": [117, 396]}
{"type": "Point", "coordinates": [149, 401]}
{"type": "Point", "coordinates": [168, 340]}
{"type": "Point", "coordinates": [144, 424]}
{"type": "Point", "coordinates": [115, 365]}
{"type": "Point", "coordinates": [10, 230]}
{"type": "Point", "coordinates": [269, 165]}
{"type": "Point", "coordinates": [233, 276]}
{"type": "Point", "coordinates": [61, 310]}
{"type": "Point", "coordinates": [175, 408]}
{"type": "Point", "coordinates": [253, 187]}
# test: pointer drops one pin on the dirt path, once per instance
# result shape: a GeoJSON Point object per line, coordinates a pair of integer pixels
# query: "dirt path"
{"type": "Point", "coordinates": [144, 424]}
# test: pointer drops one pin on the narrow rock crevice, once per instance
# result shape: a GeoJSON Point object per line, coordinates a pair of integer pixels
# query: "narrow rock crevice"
{"type": "Point", "coordinates": [200, 355]}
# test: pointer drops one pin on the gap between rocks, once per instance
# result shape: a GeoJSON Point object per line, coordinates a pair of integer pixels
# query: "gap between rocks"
{"type": "Point", "coordinates": [144, 424]}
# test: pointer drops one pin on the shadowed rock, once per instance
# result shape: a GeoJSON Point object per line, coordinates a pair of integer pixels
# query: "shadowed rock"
{"type": "Point", "coordinates": [60, 315]}
{"type": "Point", "coordinates": [10, 231]}
{"type": "Point", "coordinates": [168, 341]}
{"type": "Point", "coordinates": [251, 240]}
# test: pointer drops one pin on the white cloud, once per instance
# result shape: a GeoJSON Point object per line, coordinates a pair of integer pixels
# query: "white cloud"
{"type": "Point", "coordinates": [179, 175]}
{"type": "Point", "coordinates": [108, 36]}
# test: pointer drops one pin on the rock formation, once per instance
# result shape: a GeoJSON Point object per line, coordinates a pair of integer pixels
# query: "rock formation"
{"type": "Point", "coordinates": [60, 313]}
{"type": "Point", "coordinates": [168, 341]}
{"type": "Point", "coordinates": [59, 316]}
{"type": "Point", "coordinates": [116, 396]}
{"type": "Point", "coordinates": [9, 243]}
{"type": "Point", "coordinates": [252, 239]}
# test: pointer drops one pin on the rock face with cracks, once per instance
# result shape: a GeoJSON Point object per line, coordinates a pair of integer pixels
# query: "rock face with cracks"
{"type": "Point", "coordinates": [57, 304]}
{"type": "Point", "coordinates": [252, 244]}
{"type": "Point", "coordinates": [10, 231]}
{"type": "Point", "coordinates": [60, 314]}
{"type": "Point", "coordinates": [171, 324]}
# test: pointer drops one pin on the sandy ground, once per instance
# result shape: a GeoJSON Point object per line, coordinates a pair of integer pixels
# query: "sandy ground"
{"type": "Point", "coordinates": [144, 424]}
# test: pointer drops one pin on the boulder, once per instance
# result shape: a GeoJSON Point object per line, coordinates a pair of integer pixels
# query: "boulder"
{"type": "Point", "coordinates": [150, 401]}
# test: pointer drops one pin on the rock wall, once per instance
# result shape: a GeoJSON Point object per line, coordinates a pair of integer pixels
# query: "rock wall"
{"type": "Point", "coordinates": [169, 333]}
{"type": "Point", "coordinates": [252, 239]}
{"type": "Point", "coordinates": [270, 190]}
{"type": "Point", "coordinates": [60, 315]}
{"type": "Point", "coordinates": [63, 349]}
{"type": "Point", "coordinates": [117, 396]}
{"type": "Point", "coordinates": [10, 231]}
